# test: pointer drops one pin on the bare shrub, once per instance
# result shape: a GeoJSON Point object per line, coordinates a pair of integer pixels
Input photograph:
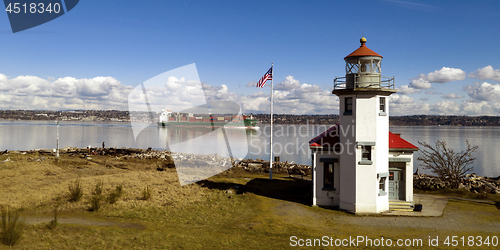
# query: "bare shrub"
{"type": "Point", "coordinates": [446, 163]}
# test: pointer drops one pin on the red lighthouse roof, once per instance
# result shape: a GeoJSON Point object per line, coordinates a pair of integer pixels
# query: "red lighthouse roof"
{"type": "Point", "coordinates": [363, 50]}
{"type": "Point", "coordinates": [330, 138]}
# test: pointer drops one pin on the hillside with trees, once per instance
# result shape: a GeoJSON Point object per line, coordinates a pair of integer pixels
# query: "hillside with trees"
{"type": "Point", "coordinates": [124, 116]}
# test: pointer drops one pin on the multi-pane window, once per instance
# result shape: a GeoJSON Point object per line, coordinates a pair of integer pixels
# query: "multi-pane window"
{"type": "Point", "coordinates": [382, 104]}
{"type": "Point", "coordinates": [328, 175]}
{"type": "Point", "coordinates": [348, 105]}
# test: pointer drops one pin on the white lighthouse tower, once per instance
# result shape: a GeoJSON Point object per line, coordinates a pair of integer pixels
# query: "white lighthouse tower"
{"type": "Point", "coordinates": [364, 124]}
{"type": "Point", "coordinates": [358, 165]}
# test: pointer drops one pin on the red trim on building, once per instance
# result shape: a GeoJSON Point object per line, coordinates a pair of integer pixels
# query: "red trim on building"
{"type": "Point", "coordinates": [330, 137]}
{"type": "Point", "coordinates": [395, 141]}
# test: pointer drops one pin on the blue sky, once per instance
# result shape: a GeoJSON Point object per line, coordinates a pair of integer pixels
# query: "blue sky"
{"type": "Point", "coordinates": [444, 54]}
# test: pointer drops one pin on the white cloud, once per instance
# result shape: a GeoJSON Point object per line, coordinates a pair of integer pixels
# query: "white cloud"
{"type": "Point", "coordinates": [97, 86]}
{"type": "Point", "coordinates": [443, 75]}
{"type": "Point", "coordinates": [252, 84]}
{"type": "Point", "coordinates": [406, 90]}
{"type": "Point", "coordinates": [400, 99]}
{"type": "Point", "coordinates": [293, 97]}
{"type": "Point", "coordinates": [451, 96]}
{"type": "Point", "coordinates": [290, 97]}
{"type": "Point", "coordinates": [3, 78]}
{"type": "Point", "coordinates": [484, 91]}
{"type": "Point", "coordinates": [406, 108]}
{"type": "Point", "coordinates": [32, 92]}
{"type": "Point", "coordinates": [477, 108]}
{"type": "Point", "coordinates": [445, 108]}
{"type": "Point", "coordinates": [486, 73]}
{"type": "Point", "coordinates": [446, 75]}
{"type": "Point", "coordinates": [419, 82]}
{"type": "Point", "coordinates": [288, 84]}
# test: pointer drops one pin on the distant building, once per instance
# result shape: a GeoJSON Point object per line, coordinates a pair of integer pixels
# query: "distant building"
{"type": "Point", "coordinates": [358, 165]}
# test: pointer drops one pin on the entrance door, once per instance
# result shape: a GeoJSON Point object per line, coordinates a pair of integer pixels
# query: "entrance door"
{"type": "Point", "coordinates": [394, 180]}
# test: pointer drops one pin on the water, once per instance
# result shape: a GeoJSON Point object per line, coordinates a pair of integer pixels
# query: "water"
{"type": "Point", "coordinates": [290, 141]}
{"type": "Point", "coordinates": [487, 138]}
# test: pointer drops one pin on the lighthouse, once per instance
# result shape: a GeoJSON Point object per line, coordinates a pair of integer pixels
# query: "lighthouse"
{"type": "Point", "coordinates": [364, 117]}
{"type": "Point", "coordinates": [351, 160]}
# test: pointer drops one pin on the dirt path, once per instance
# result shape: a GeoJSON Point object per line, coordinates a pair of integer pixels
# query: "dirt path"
{"type": "Point", "coordinates": [83, 222]}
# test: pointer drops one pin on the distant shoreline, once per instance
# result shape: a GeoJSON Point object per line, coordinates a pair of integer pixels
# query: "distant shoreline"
{"type": "Point", "coordinates": [124, 116]}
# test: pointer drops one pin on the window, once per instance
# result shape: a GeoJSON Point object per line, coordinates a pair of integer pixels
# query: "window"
{"type": "Point", "coordinates": [328, 175]}
{"type": "Point", "coordinates": [381, 186]}
{"type": "Point", "coordinates": [376, 66]}
{"type": "Point", "coordinates": [366, 66]}
{"type": "Point", "coordinates": [366, 153]}
{"type": "Point", "coordinates": [382, 106]}
{"type": "Point", "coordinates": [348, 106]}
{"type": "Point", "coordinates": [381, 183]}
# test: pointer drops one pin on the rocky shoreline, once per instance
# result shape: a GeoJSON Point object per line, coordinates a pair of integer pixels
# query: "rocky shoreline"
{"type": "Point", "coordinates": [212, 161]}
{"type": "Point", "coordinates": [472, 182]}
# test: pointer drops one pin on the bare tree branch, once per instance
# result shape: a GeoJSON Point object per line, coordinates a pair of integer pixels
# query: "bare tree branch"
{"type": "Point", "coordinates": [445, 162]}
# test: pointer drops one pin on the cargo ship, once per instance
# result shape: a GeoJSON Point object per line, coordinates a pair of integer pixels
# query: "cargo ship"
{"type": "Point", "coordinates": [169, 118]}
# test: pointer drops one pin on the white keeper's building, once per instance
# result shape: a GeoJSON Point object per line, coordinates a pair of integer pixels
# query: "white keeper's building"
{"type": "Point", "coordinates": [358, 165]}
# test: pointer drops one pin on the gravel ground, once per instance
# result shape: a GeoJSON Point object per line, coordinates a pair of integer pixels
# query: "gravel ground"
{"type": "Point", "coordinates": [453, 219]}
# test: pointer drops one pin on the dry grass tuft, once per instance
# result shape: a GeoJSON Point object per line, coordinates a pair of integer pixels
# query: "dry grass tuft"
{"type": "Point", "coordinates": [147, 192]}
{"type": "Point", "coordinates": [75, 191]}
{"type": "Point", "coordinates": [12, 228]}
{"type": "Point", "coordinates": [99, 187]}
{"type": "Point", "coordinates": [97, 196]}
{"type": "Point", "coordinates": [115, 195]}
{"type": "Point", "coordinates": [95, 202]}
{"type": "Point", "coordinates": [53, 223]}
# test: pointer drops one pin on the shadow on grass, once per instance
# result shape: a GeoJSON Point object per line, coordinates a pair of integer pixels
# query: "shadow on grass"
{"type": "Point", "coordinates": [288, 189]}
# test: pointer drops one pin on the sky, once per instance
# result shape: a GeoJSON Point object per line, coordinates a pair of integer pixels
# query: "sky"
{"type": "Point", "coordinates": [443, 54]}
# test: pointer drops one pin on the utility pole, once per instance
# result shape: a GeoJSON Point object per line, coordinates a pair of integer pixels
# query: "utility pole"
{"type": "Point", "coordinates": [57, 149]}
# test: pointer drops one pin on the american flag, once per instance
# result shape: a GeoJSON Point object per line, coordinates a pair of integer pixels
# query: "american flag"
{"type": "Point", "coordinates": [267, 76]}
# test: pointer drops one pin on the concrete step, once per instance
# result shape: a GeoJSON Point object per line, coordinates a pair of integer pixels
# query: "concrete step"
{"type": "Point", "coordinates": [402, 209]}
{"type": "Point", "coordinates": [400, 202]}
{"type": "Point", "coordinates": [400, 206]}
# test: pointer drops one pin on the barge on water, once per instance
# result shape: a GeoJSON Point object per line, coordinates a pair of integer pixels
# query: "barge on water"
{"type": "Point", "coordinates": [169, 118]}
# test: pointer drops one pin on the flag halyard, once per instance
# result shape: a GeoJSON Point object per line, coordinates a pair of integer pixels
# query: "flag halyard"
{"type": "Point", "coordinates": [267, 76]}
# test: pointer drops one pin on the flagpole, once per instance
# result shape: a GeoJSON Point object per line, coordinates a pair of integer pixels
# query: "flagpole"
{"type": "Point", "coordinates": [271, 141]}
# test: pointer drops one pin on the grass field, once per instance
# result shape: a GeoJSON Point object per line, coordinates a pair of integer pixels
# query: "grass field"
{"type": "Point", "coordinates": [233, 210]}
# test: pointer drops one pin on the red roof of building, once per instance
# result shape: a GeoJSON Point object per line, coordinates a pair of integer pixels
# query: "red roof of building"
{"type": "Point", "coordinates": [326, 139]}
{"type": "Point", "coordinates": [363, 50]}
{"type": "Point", "coordinates": [395, 141]}
{"type": "Point", "coordinates": [331, 136]}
